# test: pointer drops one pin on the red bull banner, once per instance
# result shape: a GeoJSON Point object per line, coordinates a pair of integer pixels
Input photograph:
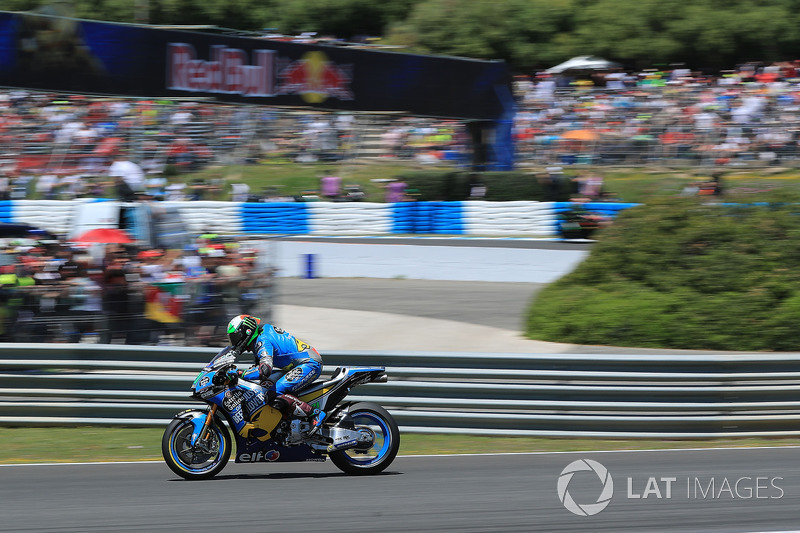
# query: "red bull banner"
{"type": "Point", "coordinates": [70, 55]}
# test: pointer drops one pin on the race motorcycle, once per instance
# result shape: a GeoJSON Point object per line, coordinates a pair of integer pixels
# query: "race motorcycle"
{"type": "Point", "coordinates": [359, 437]}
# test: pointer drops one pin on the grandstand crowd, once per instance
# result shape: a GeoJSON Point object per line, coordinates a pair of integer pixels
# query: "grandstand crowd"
{"type": "Point", "coordinates": [747, 116]}
{"type": "Point", "coordinates": [65, 146]}
{"type": "Point", "coordinates": [52, 290]}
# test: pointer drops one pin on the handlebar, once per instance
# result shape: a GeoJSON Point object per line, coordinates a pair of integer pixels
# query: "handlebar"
{"type": "Point", "coordinates": [226, 375]}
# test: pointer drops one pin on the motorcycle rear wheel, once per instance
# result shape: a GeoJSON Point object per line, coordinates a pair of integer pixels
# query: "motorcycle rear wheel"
{"type": "Point", "coordinates": [201, 461]}
{"type": "Point", "coordinates": [376, 458]}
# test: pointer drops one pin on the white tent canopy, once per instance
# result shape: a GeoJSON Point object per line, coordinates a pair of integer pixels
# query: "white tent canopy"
{"type": "Point", "coordinates": [583, 63]}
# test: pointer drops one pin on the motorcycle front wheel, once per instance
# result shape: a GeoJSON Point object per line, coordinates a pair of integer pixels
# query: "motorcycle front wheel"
{"type": "Point", "coordinates": [201, 461]}
{"type": "Point", "coordinates": [374, 459]}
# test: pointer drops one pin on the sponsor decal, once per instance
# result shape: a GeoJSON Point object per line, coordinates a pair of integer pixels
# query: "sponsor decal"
{"type": "Point", "coordinates": [316, 79]}
{"type": "Point", "coordinates": [254, 404]}
{"type": "Point", "coordinates": [204, 381]}
{"type": "Point", "coordinates": [301, 346]}
{"type": "Point", "coordinates": [229, 70]}
{"type": "Point", "coordinates": [251, 394]}
{"type": "Point", "coordinates": [237, 415]}
{"type": "Point", "coordinates": [294, 374]}
{"type": "Point", "coordinates": [207, 393]}
{"type": "Point", "coordinates": [260, 457]}
{"type": "Point", "coordinates": [340, 445]}
{"type": "Point", "coordinates": [279, 331]}
{"type": "Point", "coordinates": [232, 400]}
{"type": "Point", "coordinates": [254, 400]}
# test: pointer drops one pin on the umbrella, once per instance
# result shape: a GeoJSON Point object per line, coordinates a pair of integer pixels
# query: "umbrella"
{"type": "Point", "coordinates": [104, 236]}
{"type": "Point", "coordinates": [583, 63]}
{"type": "Point", "coordinates": [580, 135]}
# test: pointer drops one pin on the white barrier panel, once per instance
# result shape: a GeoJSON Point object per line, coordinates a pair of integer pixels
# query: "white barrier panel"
{"type": "Point", "coordinates": [54, 216]}
{"type": "Point", "coordinates": [361, 218]}
{"type": "Point", "coordinates": [210, 217]}
{"type": "Point", "coordinates": [509, 218]}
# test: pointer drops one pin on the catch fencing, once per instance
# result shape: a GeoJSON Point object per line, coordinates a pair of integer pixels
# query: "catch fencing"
{"type": "Point", "coordinates": [557, 395]}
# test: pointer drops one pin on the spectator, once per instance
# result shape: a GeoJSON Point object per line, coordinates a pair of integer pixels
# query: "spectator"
{"type": "Point", "coordinates": [395, 191]}
{"type": "Point", "coordinates": [123, 190]}
{"type": "Point", "coordinates": [128, 171]}
{"type": "Point", "coordinates": [330, 187]}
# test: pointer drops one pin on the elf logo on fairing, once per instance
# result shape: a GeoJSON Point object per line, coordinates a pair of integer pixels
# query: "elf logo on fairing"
{"type": "Point", "coordinates": [269, 455]}
{"type": "Point", "coordinates": [228, 71]}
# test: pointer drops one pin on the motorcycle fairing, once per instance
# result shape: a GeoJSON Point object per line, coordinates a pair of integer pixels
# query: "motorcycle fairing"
{"type": "Point", "coordinates": [325, 395]}
{"type": "Point", "coordinates": [247, 409]}
{"type": "Point", "coordinates": [256, 451]}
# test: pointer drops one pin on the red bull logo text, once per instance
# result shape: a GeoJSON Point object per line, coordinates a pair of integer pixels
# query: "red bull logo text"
{"type": "Point", "coordinates": [313, 77]}
{"type": "Point", "coordinates": [228, 71]}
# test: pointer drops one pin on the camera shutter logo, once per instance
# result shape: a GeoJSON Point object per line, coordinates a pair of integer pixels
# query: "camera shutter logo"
{"type": "Point", "coordinates": [588, 509]}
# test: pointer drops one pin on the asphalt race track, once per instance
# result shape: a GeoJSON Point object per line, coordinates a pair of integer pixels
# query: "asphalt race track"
{"type": "Point", "coordinates": [754, 490]}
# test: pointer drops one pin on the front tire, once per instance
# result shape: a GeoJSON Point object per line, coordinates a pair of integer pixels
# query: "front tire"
{"type": "Point", "coordinates": [379, 456]}
{"type": "Point", "coordinates": [202, 461]}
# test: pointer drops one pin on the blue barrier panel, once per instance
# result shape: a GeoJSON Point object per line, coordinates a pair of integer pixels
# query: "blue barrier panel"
{"type": "Point", "coordinates": [404, 217]}
{"type": "Point", "coordinates": [606, 208]}
{"type": "Point", "coordinates": [275, 218]}
{"type": "Point", "coordinates": [427, 217]}
{"type": "Point", "coordinates": [446, 218]}
{"type": "Point", "coordinates": [7, 211]}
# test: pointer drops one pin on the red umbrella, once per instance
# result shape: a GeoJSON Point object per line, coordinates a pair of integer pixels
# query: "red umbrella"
{"type": "Point", "coordinates": [104, 236]}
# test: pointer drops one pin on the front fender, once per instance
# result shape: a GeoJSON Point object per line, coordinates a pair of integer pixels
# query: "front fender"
{"type": "Point", "coordinates": [198, 419]}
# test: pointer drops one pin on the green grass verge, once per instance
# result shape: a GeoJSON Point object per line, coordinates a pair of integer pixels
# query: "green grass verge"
{"type": "Point", "coordinates": [628, 185]}
{"type": "Point", "coordinates": [91, 444]}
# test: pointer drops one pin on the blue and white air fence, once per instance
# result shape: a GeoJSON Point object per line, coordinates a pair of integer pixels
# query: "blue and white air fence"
{"type": "Point", "coordinates": [468, 218]}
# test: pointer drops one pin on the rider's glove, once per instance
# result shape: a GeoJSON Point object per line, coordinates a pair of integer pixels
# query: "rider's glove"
{"type": "Point", "coordinates": [232, 375]}
{"type": "Point", "coordinates": [229, 376]}
{"type": "Point", "coordinates": [264, 369]}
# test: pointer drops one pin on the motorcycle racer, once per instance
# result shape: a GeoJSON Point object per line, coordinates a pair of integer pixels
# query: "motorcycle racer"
{"type": "Point", "coordinates": [275, 349]}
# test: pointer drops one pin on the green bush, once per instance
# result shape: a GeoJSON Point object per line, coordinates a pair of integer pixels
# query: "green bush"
{"type": "Point", "coordinates": [679, 273]}
{"type": "Point", "coordinates": [449, 185]}
{"type": "Point", "coordinates": [436, 185]}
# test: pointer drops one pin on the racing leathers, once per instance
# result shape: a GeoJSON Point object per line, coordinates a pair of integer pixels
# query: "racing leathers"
{"type": "Point", "coordinates": [276, 350]}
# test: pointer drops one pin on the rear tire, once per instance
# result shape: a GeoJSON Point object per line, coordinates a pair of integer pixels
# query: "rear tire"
{"type": "Point", "coordinates": [380, 455]}
{"type": "Point", "coordinates": [202, 461]}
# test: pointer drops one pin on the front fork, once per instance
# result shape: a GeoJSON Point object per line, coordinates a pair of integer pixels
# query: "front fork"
{"type": "Point", "coordinates": [201, 432]}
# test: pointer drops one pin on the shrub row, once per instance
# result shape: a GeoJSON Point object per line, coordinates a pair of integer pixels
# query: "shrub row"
{"type": "Point", "coordinates": [448, 185]}
{"type": "Point", "coordinates": [679, 273]}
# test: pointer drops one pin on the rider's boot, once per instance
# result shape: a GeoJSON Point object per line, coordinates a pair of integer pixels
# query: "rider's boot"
{"type": "Point", "coordinates": [316, 422]}
{"type": "Point", "coordinates": [294, 407]}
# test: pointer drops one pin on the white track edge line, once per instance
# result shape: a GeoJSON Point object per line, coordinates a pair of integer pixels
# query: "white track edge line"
{"type": "Point", "coordinates": [497, 454]}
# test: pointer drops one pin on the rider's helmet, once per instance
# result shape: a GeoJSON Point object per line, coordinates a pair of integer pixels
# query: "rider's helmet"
{"type": "Point", "coordinates": [242, 330]}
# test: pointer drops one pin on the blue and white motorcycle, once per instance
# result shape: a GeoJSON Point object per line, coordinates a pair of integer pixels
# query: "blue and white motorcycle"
{"type": "Point", "coordinates": [360, 437]}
